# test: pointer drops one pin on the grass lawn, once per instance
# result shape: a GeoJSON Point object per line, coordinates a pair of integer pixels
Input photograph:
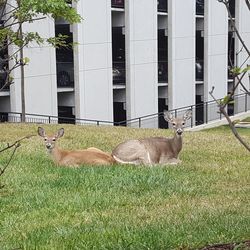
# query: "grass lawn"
{"type": "Point", "coordinates": [204, 200]}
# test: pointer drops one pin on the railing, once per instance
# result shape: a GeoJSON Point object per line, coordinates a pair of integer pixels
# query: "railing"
{"type": "Point", "coordinates": [208, 112]}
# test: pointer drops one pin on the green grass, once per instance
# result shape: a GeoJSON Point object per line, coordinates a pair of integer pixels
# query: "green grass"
{"type": "Point", "coordinates": [204, 200]}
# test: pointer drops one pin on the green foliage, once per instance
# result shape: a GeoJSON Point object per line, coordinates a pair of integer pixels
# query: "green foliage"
{"type": "Point", "coordinates": [59, 41]}
{"type": "Point", "coordinates": [226, 100]}
{"type": "Point", "coordinates": [29, 11]}
{"type": "Point", "coordinates": [237, 70]}
{"type": "Point", "coordinates": [57, 8]}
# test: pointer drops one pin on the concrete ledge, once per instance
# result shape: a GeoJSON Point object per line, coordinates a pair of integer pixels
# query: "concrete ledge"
{"type": "Point", "coordinates": [217, 123]}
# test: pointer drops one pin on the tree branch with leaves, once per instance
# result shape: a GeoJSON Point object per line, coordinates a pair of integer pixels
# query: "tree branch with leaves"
{"type": "Point", "coordinates": [14, 15]}
{"type": "Point", "coordinates": [238, 73]}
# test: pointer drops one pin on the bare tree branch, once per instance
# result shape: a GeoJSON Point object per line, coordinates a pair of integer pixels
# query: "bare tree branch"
{"type": "Point", "coordinates": [248, 4]}
{"type": "Point", "coordinates": [230, 123]}
{"type": "Point", "coordinates": [16, 142]}
{"type": "Point", "coordinates": [16, 145]}
{"type": "Point", "coordinates": [26, 21]}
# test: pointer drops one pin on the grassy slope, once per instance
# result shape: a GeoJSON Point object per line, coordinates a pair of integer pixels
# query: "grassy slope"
{"type": "Point", "coordinates": [205, 200]}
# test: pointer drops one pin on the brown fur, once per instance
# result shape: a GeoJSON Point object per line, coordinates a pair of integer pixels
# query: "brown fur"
{"type": "Point", "coordinates": [74, 158]}
{"type": "Point", "coordinates": [153, 150]}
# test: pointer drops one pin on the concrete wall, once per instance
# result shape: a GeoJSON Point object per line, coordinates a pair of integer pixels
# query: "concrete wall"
{"type": "Point", "coordinates": [93, 61]}
{"type": "Point", "coordinates": [215, 49]}
{"type": "Point", "coordinates": [181, 53]}
{"type": "Point", "coordinates": [215, 53]}
{"type": "Point", "coordinates": [40, 74]}
{"type": "Point", "coordinates": [141, 58]}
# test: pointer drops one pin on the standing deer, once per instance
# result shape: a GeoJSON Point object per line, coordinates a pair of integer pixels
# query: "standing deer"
{"type": "Point", "coordinates": [154, 150]}
{"type": "Point", "coordinates": [91, 156]}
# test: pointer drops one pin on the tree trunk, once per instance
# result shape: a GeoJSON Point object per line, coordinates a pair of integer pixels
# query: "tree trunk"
{"type": "Point", "coordinates": [23, 109]}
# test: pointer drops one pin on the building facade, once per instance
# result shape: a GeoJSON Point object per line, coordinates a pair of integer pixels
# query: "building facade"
{"type": "Point", "coordinates": [133, 58]}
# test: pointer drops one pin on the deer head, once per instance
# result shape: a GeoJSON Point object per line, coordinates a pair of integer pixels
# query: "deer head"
{"type": "Point", "coordinates": [177, 123]}
{"type": "Point", "coordinates": [50, 141]}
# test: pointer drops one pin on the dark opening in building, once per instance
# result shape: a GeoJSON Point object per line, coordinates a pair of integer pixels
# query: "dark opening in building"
{"type": "Point", "coordinates": [162, 56]}
{"type": "Point", "coordinates": [199, 63]}
{"type": "Point", "coordinates": [117, 3]}
{"type": "Point", "coordinates": [161, 107]}
{"type": "Point", "coordinates": [65, 115]}
{"type": "Point", "coordinates": [64, 57]}
{"type": "Point", "coordinates": [118, 56]}
{"type": "Point", "coordinates": [199, 111]}
{"type": "Point", "coordinates": [162, 5]}
{"type": "Point", "coordinates": [119, 114]}
{"type": "Point", "coordinates": [199, 7]}
{"type": "Point", "coordinates": [231, 54]}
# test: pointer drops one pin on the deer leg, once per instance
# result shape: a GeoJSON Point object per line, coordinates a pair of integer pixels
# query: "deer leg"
{"type": "Point", "coordinates": [145, 159]}
{"type": "Point", "coordinates": [173, 161]}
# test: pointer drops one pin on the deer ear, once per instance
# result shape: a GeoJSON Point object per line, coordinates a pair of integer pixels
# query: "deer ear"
{"type": "Point", "coordinates": [168, 116]}
{"type": "Point", "coordinates": [60, 133]}
{"type": "Point", "coordinates": [41, 132]}
{"type": "Point", "coordinates": [187, 115]}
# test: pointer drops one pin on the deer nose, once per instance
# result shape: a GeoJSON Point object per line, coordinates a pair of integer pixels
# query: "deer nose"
{"type": "Point", "coordinates": [179, 131]}
{"type": "Point", "coordinates": [48, 145]}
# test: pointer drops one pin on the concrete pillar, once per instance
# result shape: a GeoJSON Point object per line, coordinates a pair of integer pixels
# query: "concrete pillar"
{"type": "Point", "coordinates": [215, 54]}
{"type": "Point", "coordinates": [141, 59]}
{"type": "Point", "coordinates": [93, 61]}
{"type": "Point", "coordinates": [181, 53]}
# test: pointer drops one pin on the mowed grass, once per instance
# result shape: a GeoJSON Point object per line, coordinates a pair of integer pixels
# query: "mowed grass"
{"type": "Point", "coordinates": [204, 200]}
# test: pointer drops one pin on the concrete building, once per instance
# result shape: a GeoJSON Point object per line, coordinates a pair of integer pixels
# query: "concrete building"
{"type": "Point", "coordinates": [134, 58]}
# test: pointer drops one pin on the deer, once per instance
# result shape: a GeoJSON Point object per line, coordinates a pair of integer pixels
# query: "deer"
{"type": "Point", "coordinates": [74, 158]}
{"type": "Point", "coordinates": [154, 150]}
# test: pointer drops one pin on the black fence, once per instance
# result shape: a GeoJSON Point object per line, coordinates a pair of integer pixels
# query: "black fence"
{"type": "Point", "coordinates": [202, 113]}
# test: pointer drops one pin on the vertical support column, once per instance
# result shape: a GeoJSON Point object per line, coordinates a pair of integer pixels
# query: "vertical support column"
{"type": "Point", "coordinates": [242, 21]}
{"type": "Point", "coordinates": [215, 53]}
{"type": "Point", "coordinates": [93, 61]}
{"type": "Point", "coordinates": [141, 59]}
{"type": "Point", "coordinates": [181, 53]}
{"type": "Point", "coordinates": [40, 74]}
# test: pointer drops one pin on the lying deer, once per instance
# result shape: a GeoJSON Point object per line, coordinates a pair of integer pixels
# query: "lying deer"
{"type": "Point", "coordinates": [91, 156]}
{"type": "Point", "coordinates": [154, 150]}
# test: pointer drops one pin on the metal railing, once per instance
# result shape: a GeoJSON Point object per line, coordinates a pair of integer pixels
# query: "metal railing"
{"type": "Point", "coordinates": [202, 113]}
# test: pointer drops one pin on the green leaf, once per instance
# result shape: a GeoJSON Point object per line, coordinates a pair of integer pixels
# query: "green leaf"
{"type": "Point", "coordinates": [245, 69]}
{"type": "Point", "coordinates": [26, 60]}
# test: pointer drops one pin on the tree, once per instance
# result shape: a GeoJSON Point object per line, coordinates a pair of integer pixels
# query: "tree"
{"type": "Point", "coordinates": [14, 15]}
{"type": "Point", "coordinates": [15, 146]}
{"type": "Point", "coordinates": [238, 73]}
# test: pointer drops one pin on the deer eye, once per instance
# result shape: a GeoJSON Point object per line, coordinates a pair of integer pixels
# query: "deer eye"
{"type": "Point", "coordinates": [174, 124]}
{"type": "Point", "coordinates": [45, 139]}
{"type": "Point", "coordinates": [53, 139]}
{"type": "Point", "coordinates": [183, 123]}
